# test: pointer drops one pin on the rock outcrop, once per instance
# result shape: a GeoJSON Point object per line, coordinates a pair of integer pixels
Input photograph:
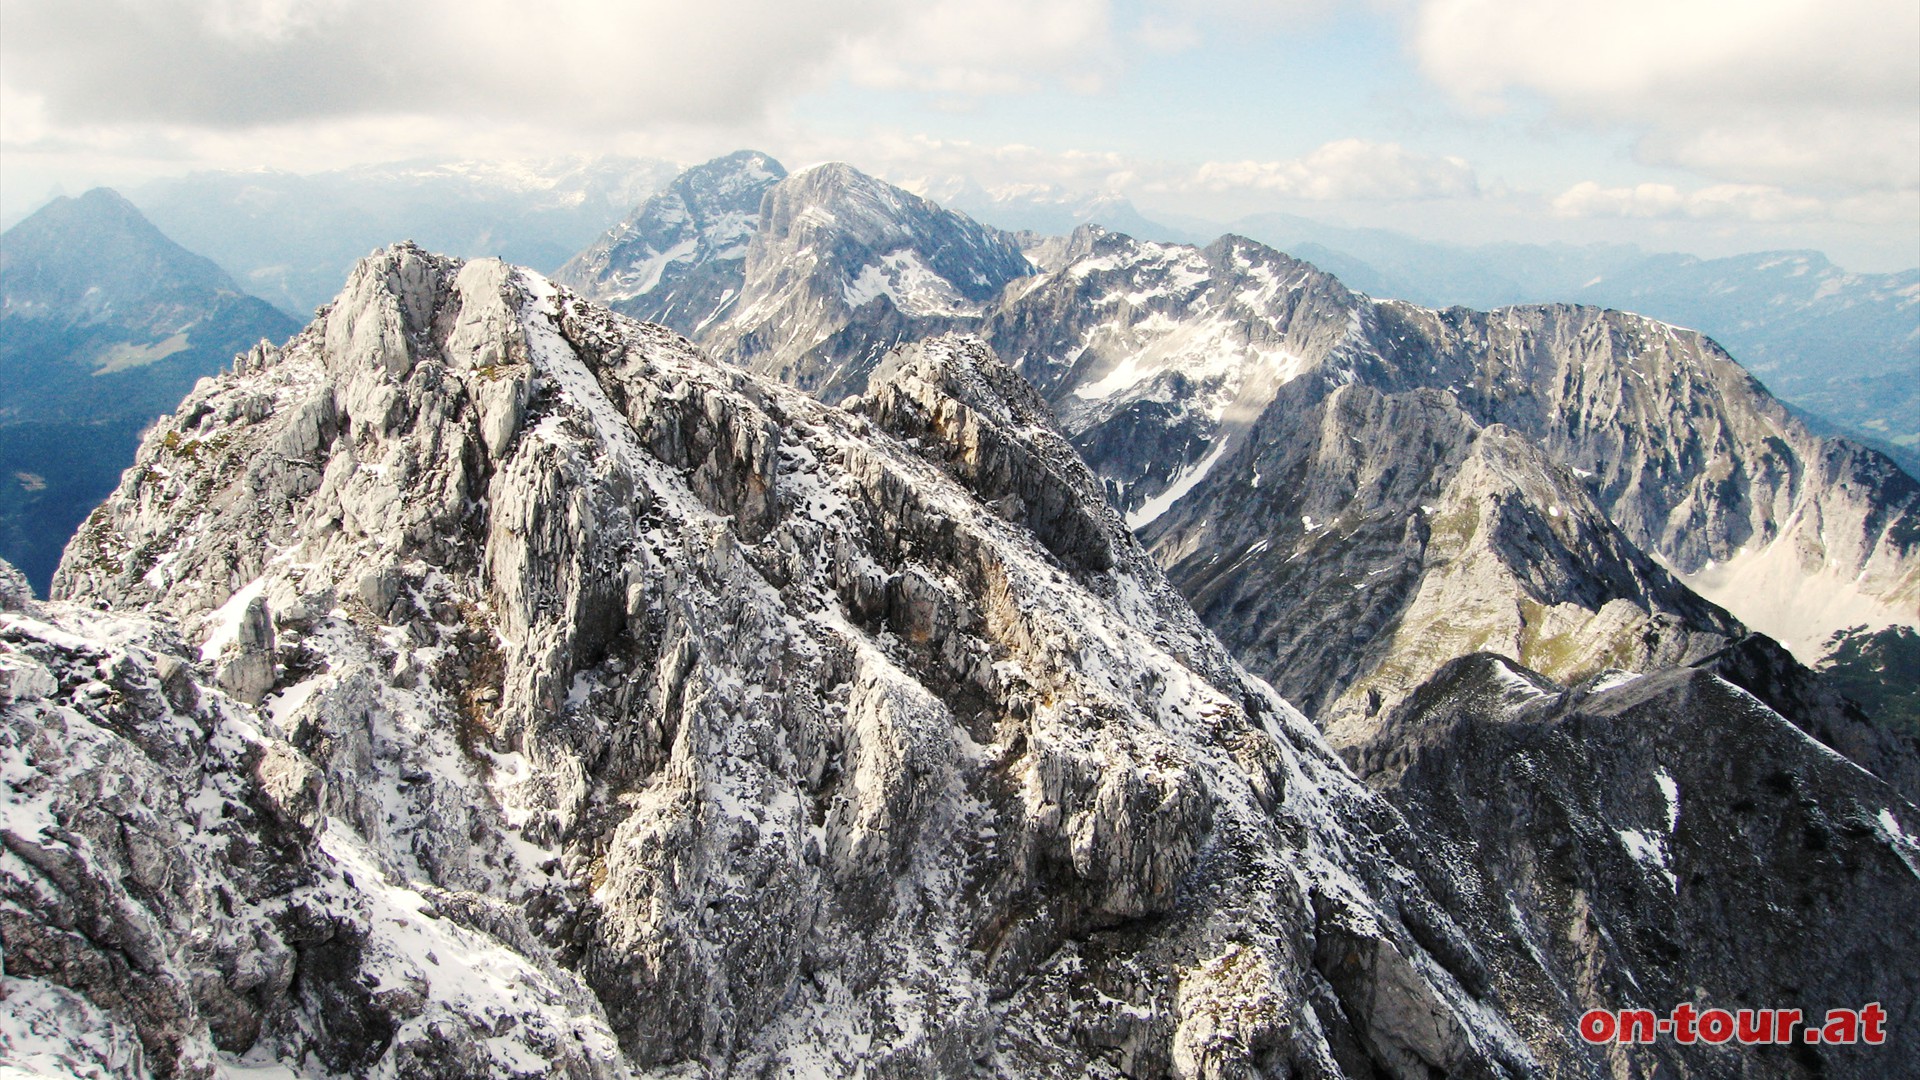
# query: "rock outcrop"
{"type": "Point", "coordinates": [1669, 839]}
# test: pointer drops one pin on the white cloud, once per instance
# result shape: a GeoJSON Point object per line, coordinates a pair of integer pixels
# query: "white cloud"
{"type": "Point", "coordinates": [1348, 169]}
{"type": "Point", "coordinates": [1739, 202]}
{"type": "Point", "coordinates": [974, 48]}
{"type": "Point", "coordinates": [1789, 92]}
{"type": "Point", "coordinates": [568, 63]}
{"type": "Point", "coordinates": [1162, 34]}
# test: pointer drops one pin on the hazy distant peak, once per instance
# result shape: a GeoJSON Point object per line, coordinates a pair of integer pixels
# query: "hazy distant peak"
{"type": "Point", "coordinates": [96, 248]}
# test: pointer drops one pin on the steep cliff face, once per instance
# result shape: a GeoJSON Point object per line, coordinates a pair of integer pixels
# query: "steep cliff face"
{"type": "Point", "coordinates": [844, 267]}
{"type": "Point", "coordinates": [1670, 839]}
{"type": "Point", "coordinates": [1384, 534]}
{"type": "Point", "coordinates": [1801, 536]}
{"type": "Point", "coordinates": [735, 730]}
{"type": "Point", "coordinates": [680, 257]}
{"type": "Point", "coordinates": [1448, 481]}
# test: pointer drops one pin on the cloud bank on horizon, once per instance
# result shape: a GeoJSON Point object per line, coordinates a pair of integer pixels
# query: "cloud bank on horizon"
{"type": "Point", "coordinates": [1678, 123]}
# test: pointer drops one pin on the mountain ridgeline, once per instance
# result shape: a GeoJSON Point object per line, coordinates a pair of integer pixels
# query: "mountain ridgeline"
{"type": "Point", "coordinates": [818, 635]}
{"type": "Point", "coordinates": [810, 278]}
{"type": "Point", "coordinates": [1352, 492]}
{"type": "Point", "coordinates": [1844, 347]}
{"type": "Point", "coordinates": [485, 683]}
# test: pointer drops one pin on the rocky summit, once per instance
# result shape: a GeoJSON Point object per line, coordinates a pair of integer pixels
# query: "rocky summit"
{"type": "Point", "coordinates": [811, 278]}
{"type": "Point", "coordinates": [483, 683]}
{"type": "Point", "coordinates": [1351, 492]}
{"type": "Point", "coordinates": [537, 695]}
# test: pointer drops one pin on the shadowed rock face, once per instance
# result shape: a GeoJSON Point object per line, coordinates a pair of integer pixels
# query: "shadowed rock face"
{"type": "Point", "coordinates": [707, 722]}
{"type": "Point", "coordinates": [1669, 838]}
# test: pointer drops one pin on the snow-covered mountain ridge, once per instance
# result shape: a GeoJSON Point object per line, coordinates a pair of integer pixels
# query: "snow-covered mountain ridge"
{"type": "Point", "coordinates": [810, 277]}
{"type": "Point", "coordinates": [616, 697]}
{"type": "Point", "coordinates": [1302, 459]}
{"type": "Point", "coordinates": [537, 696]}
{"type": "Point", "coordinates": [1636, 476]}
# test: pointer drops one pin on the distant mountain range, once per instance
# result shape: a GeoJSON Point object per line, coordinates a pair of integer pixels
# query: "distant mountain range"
{"type": "Point", "coordinates": [488, 684]}
{"type": "Point", "coordinates": [1842, 348]}
{"type": "Point", "coordinates": [1572, 487]}
{"type": "Point", "coordinates": [105, 324]}
{"type": "Point", "coordinates": [1158, 356]}
{"type": "Point", "coordinates": [291, 238]}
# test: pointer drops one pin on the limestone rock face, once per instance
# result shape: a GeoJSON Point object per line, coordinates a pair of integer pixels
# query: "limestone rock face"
{"type": "Point", "coordinates": [1530, 481]}
{"type": "Point", "coordinates": [670, 720]}
{"type": "Point", "coordinates": [1391, 533]}
{"type": "Point", "coordinates": [679, 258]}
{"type": "Point", "coordinates": [632, 714]}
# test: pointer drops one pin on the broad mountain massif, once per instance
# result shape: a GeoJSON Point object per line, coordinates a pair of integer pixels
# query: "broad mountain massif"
{"type": "Point", "coordinates": [105, 324]}
{"type": "Point", "coordinates": [1844, 348]}
{"type": "Point", "coordinates": [820, 635]}
{"type": "Point", "coordinates": [535, 695]}
{"type": "Point", "coordinates": [1334, 481]}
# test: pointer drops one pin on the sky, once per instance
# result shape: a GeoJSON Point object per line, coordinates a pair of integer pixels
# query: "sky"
{"type": "Point", "coordinates": [1706, 126]}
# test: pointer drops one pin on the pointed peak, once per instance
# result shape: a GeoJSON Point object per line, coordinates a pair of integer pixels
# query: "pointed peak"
{"type": "Point", "coordinates": [745, 161]}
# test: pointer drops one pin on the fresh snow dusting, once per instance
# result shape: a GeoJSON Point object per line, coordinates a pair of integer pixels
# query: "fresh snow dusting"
{"type": "Point", "coordinates": [640, 278]}
{"type": "Point", "coordinates": [1186, 481]}
{"type": "Point", "coordinates": [1650, 851]}
{"type": "Point", "coordinates": [1902, 842]}
{"type": "Point", "coordinates": [555, 359]}
{"type": "Point", "coordinates": [1670, 790]}
{"type": "Point", "coordinates": [1610, 680]}
{"type": "Point", "coordinates": [223, 623]}
{"type": "Point", "coordinates": [42, 1026]}
{"type": "Point", "coordinates": [1514, 687]}
{"type": "Point", "coordinates": [282, 706]}
{"type": "Point", "coordinates": [411, 945]}
{"type": "Point", "coordinates": [913, 286]}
